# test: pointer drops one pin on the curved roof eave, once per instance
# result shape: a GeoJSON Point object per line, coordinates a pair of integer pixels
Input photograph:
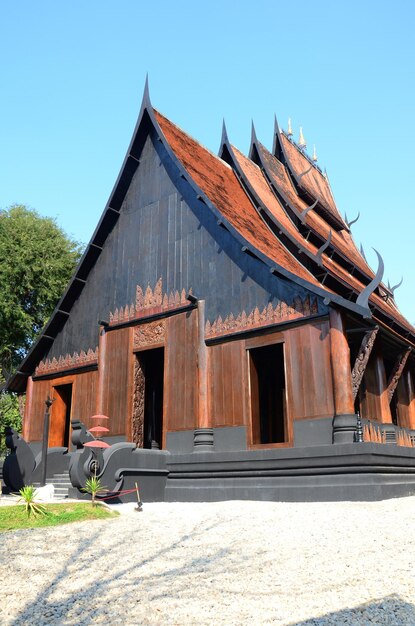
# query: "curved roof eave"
{"type": "Point", "coordinates": [93, 250]}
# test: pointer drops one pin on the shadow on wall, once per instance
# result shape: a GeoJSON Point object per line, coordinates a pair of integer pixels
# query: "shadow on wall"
{"type": "Point", "coordinates": [383, 612]}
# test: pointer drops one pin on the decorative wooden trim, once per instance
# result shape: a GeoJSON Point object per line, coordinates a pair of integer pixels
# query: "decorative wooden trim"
{"type": "Point", "coordinates": [362, 359]}
{"type": "Point", "coordinates": [397, 372]}
{"type": "Point", "coordinates": [270, 315]}
{"type": "Point", "coordinates": [67, 362]}
{"type": "Point", "coordinates": [138, 404]}
{"type": "Point", "coordinates": [149, 334]}
{"type": "Point", "coordinates": [149, 302]}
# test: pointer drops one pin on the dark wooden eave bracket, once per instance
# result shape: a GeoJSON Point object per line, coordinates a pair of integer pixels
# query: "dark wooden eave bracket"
{"type": "Point", "coordinates": [397, 372]}
{"type": "Point", "coordinates": [362, 359]}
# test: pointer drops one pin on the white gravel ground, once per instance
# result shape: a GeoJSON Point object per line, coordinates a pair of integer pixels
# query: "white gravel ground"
{"type": "Point", "coordinates": [253, 563]}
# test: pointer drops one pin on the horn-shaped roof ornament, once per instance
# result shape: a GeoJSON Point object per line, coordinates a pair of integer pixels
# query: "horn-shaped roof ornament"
{"type": "Point", "coordinates": [309, 208]}
{"type": "Point", "coordinates": [314, 157]}
{"type": "Point", "coordinates": [321, 250]}
{"type": "Point", "coordinates": [290, 130]}
{"type": "Point", "coordinates": [351, 221]}
{"type": "Point", "coordinates": [392, 289]}
{"type": "Point", "coordinates": [363, 299]}
{"type": "Point", "coordinates": [362, 252]}
{"type": "Point", "coordinates": [302, 144]}
{"type": "Point", "coordinates": [299, 176]}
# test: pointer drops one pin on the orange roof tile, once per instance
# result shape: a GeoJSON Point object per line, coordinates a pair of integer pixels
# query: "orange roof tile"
{"type": "Point", "coordinates": [342, 240]}
{"type": "Point", "coordinates": [313, 182]}
{"type": "Point", "coordinates": [219, 182]}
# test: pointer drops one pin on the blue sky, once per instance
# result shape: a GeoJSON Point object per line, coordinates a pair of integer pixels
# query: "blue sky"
{"type": "Point", "coordinates": [72, 75]}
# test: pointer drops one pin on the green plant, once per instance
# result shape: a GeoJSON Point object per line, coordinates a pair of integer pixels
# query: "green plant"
{"type": "Point", "coordinates": [27, 496]}
{"type": "Point", "coordinates": [94, 487]}
{"type": "Point", "coordinates": [11, 517]}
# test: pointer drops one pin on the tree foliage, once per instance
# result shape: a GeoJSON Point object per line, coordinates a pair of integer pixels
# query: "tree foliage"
{"type": "Point", "coordinates": [37, 259]}
{"type": "Point", "coordinates": [10, 415]}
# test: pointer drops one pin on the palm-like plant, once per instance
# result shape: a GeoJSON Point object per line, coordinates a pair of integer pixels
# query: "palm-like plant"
{"type": "Point", "coordinates": [27, 497]}
{"type": "Point", "coordinates": [94, 487]}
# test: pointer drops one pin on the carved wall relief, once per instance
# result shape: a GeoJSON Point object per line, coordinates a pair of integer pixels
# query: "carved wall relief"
{"type": "Point", "coordinates": [67, 362]}
{"type": "Point", "coordinates": [149, 302]}
{"type": "Point", "coordinates": [149, 334]}
{"type": "Point", "coordinates": [281, 312]}
{"type": "Point", "coordinates": [138, 404]}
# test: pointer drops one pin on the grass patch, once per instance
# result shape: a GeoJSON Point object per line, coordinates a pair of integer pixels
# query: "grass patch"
{"type": "Point", "coordinates": [15, 517]}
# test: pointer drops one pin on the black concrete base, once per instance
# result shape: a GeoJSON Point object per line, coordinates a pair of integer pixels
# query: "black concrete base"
{"type": "Point", "coordinates": [227, 470]}
{"type": "Point", "coordinates": [326, 473]}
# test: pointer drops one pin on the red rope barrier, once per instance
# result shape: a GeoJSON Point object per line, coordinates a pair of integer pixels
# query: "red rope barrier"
{"type": "Point", "coordinates": [119, 493]}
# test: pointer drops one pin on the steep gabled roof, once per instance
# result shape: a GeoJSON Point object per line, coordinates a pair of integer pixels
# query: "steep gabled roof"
{"type": "Point", "coordinates": [221, 186]}
{"type": "Point", "coordinates": [308, 178]}
{"type": "Point", "coordinates": [262, 202]}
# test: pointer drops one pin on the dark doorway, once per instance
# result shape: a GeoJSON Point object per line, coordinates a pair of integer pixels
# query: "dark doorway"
{"type": "Point", "coordinates": [60, 423]}
{"type": "Point", "coordinates": [148, 416]}
{"type": "Point", "coordinates": [268, 394]}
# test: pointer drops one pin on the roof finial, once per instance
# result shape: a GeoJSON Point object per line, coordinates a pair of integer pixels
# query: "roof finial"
{"type": "Point", "coordinates": [302, 144]}
{"type": "Point", "coordinates": [290, 130]}
{"type": "Point", "coordinates": [314, 157]}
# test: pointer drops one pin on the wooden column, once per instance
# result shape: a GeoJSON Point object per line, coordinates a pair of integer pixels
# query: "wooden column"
{"type": "Point", "coordinates": [203, 435]}
{"type": "Point", "coordinates": [202, 369]}
{"type": "Point", "coordinates": [375, 404]}
{"type": "Point", "coordinates": [340, 364]}
{"type": "Point", "coordinates": [101, 369]}
{"type": "Point", "coordinates": [405, 395]}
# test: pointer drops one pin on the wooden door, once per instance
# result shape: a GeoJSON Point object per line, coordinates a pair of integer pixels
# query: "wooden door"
{"type": "Point", "coordinates": [60, 421]}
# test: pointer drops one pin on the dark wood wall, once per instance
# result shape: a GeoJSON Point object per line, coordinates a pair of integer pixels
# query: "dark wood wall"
{"type": "Point", "coordinates": [163, 231]}
{"type": "Point", "coordinates": [180, 386]}
{"type": "Point", "coordinates": [309, 377]}
{"type": "Point", "coordinates": [374, 402]}
{"type": "Point", "coordinates": [405, 396]}
{"type": "Point", "coordinates": [308, 382]}
{"type": "Point", "coordinates": [117, 393]}
{"type": "Point", "coordinates": [228, 388]}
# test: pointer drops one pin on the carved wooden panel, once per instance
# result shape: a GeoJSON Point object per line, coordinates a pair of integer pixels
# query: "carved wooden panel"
{"type": "Point", "coordinates": [362, 359]}
{"type": "Point", "coordinates": [149, 302]}
{"type": "Point", "coordinates": [138, 404]}
{"type": "Point", "coordinates": [397, 372]}
{"type": "Point", "coordinates": [67, 362]}
{"type": "Point", "coordinates": [147, 335]}
{"type": "Point", "coordinates": [281, 312]}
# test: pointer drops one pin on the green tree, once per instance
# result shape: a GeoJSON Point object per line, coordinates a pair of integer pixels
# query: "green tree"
{"type": "Point", "coordinates": [37, 259]}
{"type": "Point", "coordinates": [10, 415]}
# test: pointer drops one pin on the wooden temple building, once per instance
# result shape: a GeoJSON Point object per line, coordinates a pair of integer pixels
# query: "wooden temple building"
{"type": "Point", "coordinates": [224, 320]}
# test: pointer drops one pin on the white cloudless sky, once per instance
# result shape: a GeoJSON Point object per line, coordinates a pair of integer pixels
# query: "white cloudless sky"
{"type": "Point", "coordinates": [72, 76]}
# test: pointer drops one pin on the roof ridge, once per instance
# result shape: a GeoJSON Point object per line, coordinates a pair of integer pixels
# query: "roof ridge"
{"type": "Point", "coordinates": [303, 153]}
{"type": "Point", "coordinates": [192, 138]}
